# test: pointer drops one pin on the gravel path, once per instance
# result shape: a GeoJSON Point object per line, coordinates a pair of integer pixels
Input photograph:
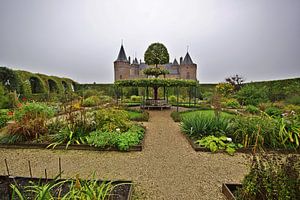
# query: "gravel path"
{"type": "Point", "coordinates": [167, 168]}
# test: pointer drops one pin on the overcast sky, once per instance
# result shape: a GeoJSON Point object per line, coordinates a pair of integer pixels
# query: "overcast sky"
{"type": "Point", "coordinates": [80, 39]}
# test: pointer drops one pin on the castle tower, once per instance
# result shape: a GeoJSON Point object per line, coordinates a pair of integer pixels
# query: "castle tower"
{"type": "Point", "coordinates": [122, 66]}
{"type": "Point", "coordinates": [188, 69]}
{"type": "Point", "coordinates": [135, 68]}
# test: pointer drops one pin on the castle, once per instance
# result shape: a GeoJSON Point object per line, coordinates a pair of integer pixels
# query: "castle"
{"type": "Point", "coordinates": [125, 69]}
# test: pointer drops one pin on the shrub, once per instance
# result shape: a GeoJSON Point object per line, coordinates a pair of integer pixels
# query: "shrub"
{"type": "Point", "coordinates": [252, 109]}
{"type": "Point", "coordinates": [231, 103]}
{"type": "Point", "coordinates": [225, 89]}
{"type": "Point", "coordinates": [219, 143]}
{"type": "Point", "coordinates": [292, 108]}
{"type": "Point", "coordinates": [255, 131]}
{"type": "Point", "coordinates": [121, 140]}
{"type": "Point", "coordinates": [91, 92]}
{"type": "Point", "coordinates": [251, 95]}
{"type": "Point", "coordinates": [4, 99]}
{"type": "Point", "coordinates": [294, 100]}
{"type": "Point", "coordinates": [3, 118]}
{"type": "Point", "coordinates": [110, 119]}
{"type": "Point", "coordinates": [91, 101]}
{"type": "Point", "coordinates": [31, 120]}
{"type": "Point", "coordinates": [271, 178]}
{"type": "Point", "coordinates": [198, 125]}
{"type": "Point", "coordinates": [172, 99]}
{"type": "Point", "coordinates": [138, 115]}
{"type": "Point", "coordinates": [273, 111]}
{"type": "Point", "coordinates": [135, 98]}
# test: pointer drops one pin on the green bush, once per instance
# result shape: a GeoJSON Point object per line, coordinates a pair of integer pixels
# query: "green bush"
{"type": "Point", "coordinates": [118, 139]}
{"type": "Point", "coordinates": [273, 111]}
{"type": "Point", "coordinates": [135, 98]}
{"type": "Point", "coordinates": [33, 111]}
{"type": "Point", "coordinates": [292, 108]}
{"type": "Point", "coordinates": [198, 125]}
{"type": "Point", "coordinates": [231, 103]}
{"type": "Point", "coordinates": [251, 95]}
{"type": "Point", "coordinates": [138, 115]}
{"type": "Point", "coordinates": [172, 99]}
{"type": "Point", "coordinates": [271, 177]}
{"type": "Point", "coordinates": [91, 101]}
{"type": "Point", "coordinates": [294, 100]}
{"type": "Point", "coordinates": [252, 109]}
{"type": "Point", "coordinates": [3, 118]}
{"type": "Point", "coordinates": [111, 119]}
{"type": "Point", "coordinates": [4, 99]}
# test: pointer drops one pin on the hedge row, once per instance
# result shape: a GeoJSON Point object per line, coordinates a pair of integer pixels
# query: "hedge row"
{"type": "Point", "coordinates": [31, 85]}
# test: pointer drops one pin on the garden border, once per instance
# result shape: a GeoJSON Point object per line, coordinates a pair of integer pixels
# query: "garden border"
{"type": "Point", "coordinates": [85, 147]}
{"type": "Point", "coordinates": [130, 183]}
{"type": "Point", "coordinates": [242, 150]}
{"type": "Point", "coordinates": [227, 189]}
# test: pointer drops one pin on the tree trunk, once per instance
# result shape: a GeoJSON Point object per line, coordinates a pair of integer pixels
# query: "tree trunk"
{"type": "Point", "coordinates": [155, 91]}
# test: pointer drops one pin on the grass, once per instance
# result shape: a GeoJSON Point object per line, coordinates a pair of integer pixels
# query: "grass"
{"type": "Point", "coordinates": [138, 115]}
{"type": "Point", "coordinates": [177, 116]}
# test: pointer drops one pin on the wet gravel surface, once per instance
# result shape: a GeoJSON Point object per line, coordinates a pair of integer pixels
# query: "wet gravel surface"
{"type": "Point", "coordinates": [167, 168]}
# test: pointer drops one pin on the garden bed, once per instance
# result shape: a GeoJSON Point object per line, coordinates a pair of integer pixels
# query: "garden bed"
{"type": "Point", "coordinates": [121, 191]}
{"type": "Point", "coordinates": [138, 147]}
{"type": "Point", "coordinates": [228, 189]}
{"type": "Point", "coordinates": [197, 147]}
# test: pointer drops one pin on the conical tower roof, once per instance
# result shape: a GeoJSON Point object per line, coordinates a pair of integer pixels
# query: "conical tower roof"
{"type": "Point", "coordinates": [122, 55]}
{"type": "Point", "coordinates": [175, 62]}
{"type": "Point", "coordinates": [187, 59]}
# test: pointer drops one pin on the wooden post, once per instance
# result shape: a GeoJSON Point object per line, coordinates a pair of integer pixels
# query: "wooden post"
{"type": "Point", "coordinates": [29, 166]}
{"type": "Point", "coordinates": [177, 98]}
{"type": "Point", "coordinates": [6, 167]}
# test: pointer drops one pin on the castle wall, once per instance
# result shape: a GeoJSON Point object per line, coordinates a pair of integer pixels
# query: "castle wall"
{"type": "Point", "coordinates": [122, 70]}
{"type": "Point", "coordinates": [188, 71]}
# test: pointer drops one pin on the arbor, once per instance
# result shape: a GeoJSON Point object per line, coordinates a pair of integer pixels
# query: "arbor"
{"type": "Point", "coordinates": [156, 54]}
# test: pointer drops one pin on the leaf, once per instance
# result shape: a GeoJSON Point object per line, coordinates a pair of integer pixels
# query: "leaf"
{"type": "Point", "coordinates": [213, 147]}
{"type": "Point", "coordinates": [230, 150]}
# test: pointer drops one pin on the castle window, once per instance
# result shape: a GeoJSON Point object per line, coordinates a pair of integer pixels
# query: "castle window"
{"type": "Point", "coordinates": [121, 77]}
{"type": "Point", "coordinates": [188, 75]}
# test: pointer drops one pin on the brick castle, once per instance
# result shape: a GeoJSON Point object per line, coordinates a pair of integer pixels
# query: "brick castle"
{"type": "Point", "coordinates": [124, 68]}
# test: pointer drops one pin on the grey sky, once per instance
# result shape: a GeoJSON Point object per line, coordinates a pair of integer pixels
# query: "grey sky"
{"type": "Point", "coordinates": [80, 39]}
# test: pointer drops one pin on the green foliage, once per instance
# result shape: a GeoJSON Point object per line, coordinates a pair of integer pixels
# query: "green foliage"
{"type": "Point", "coordinates": [273, 111]}
{"type": "Point", "coordinates": [155, 71]}
{"type": "Point", "coordinates": [4, 99]}
{"type": "Point", "coordinates": [3, 118]}
{"type": "Point", "coordinates": [111, 119]}
{"type": "Point", "coordinates": [292, 108]}
{"type": "Point", "coordinates": [121, 140]}
{"type": "Point", "coordinates": [231, 103]}
{"type": "Point", "coordinates": [271, 178]}
{"type": "Point", "coordinates": [135, 98]}
{"type": "Point", "coordinates": [199, 125]}
{"type": "Point", "coordinates": [225, 89]}
{"type": "Point", "coordinates": [9, 79]}
{"type": "Point", "coordinates": [251, 95]}
{"type": "Point", "coordinates": [219, 143]}
{"type": "Point", "coordinates": [252, 109]}
{"type": "Point", "coordinates": [77, 189]}
{"type": "Point", "coordinates": [172, 99]}
{"type": "Point", "coordinates": [156, 54]}
{"type": "Point", "coordinates": [34, 110]}
{"type": "Point", "coordinates": [156, 82]}
{"type": "Point", "coordinates": [91, 101]}
{"type": "Point", "coordinates": [138, 115]}
{"type": "Point", "coordinates": [295, 99]}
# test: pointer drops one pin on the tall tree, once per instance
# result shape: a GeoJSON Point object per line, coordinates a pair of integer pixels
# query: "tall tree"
{"type": "Point", "coordinates": [156, 54]}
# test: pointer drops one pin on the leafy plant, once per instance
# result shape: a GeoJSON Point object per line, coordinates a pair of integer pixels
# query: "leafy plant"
{"type": "Point", "coordinates": [91, 101]}
{"type": "Point", "coordinates": [225, 89]}
{"type": "Point", "coordinates": [251, 95]}
{"type": "Point", "coordinates": [252, 109]}
{"type": "Point", "coordinates": [231, 103]}
{"type": "Point", "coordinates": [199, 125]}
{"type": "Point", "coordinates": [219, 143]}
{"type": "Point", "coordinates": [271, 177]}
{"type": "Point", "coordinates": [273, 111]}
{"type": "Point", "coordinates": [3, 118]}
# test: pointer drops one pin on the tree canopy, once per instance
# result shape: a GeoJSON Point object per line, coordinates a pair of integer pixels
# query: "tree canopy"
{"type": "Point", "coordinates": [156, 54]}
{"type": "Point", "coordinates": [153, 71]}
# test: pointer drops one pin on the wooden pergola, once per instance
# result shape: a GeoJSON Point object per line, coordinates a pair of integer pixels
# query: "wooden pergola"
{"type": "Point", "coordinates": [164, 83]}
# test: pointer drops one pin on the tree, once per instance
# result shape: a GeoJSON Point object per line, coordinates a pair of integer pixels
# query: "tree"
{"type": "Point", "coordinates": [156, 54]}
{"type": "Point", "coordinates": [236, 81]}
{"type": "Point", "coordinates": [251, 95]}
{"type": "Point", "coordinates": [225, 89]}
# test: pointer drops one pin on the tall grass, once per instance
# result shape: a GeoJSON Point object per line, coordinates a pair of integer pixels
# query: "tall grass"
{"type": "Point", "coordinates": [198, 125]}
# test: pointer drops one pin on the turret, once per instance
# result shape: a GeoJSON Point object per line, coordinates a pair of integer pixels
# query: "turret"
{"type": "Point", "coordinates": [188, 69]}
{"type": "Point", "coordinates": [122, 65]}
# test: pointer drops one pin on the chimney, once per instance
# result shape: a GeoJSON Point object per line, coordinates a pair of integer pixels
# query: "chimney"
{"type": "Point", "coordinates": [180, 60]}
{"type": "Point", "coordinates": [129, 59]}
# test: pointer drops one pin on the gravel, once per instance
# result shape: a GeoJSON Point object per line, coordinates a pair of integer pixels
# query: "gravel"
{"type": "Point", "coordinates": [167, 168]}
